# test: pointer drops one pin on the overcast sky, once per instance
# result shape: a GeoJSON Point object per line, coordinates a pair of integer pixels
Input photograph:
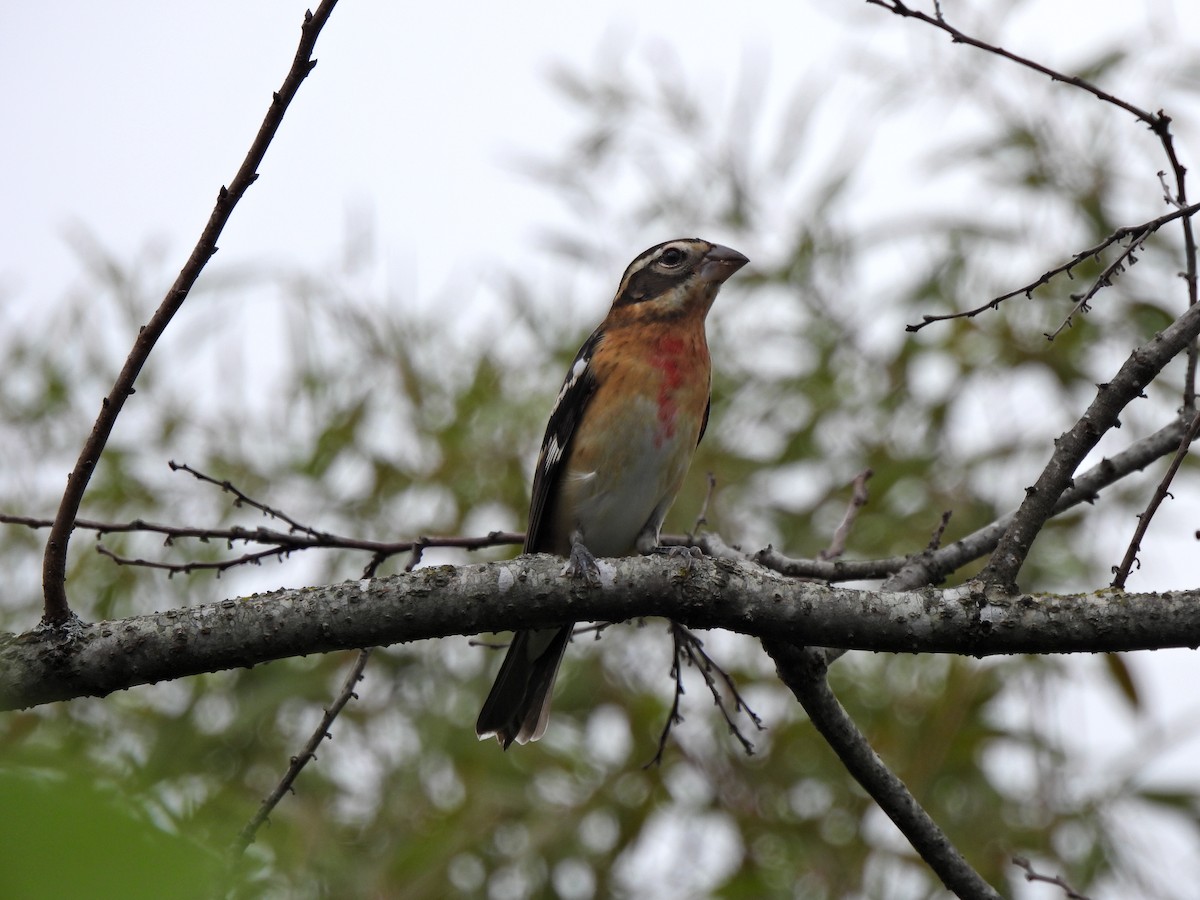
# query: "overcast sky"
{"type": "Point", "coordinates": [125, 117]}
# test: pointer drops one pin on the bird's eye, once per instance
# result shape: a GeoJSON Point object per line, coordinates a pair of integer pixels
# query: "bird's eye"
{"type": "Point", "coordinates": [671, 257]}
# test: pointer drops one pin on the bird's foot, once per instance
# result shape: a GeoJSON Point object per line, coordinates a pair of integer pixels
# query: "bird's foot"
{"type": "Point", "coordinates": [677, 551]}
{"type": "Point", "coordinates": [689, 555]}
{"type": "Point", "coordinates": [581, 564]}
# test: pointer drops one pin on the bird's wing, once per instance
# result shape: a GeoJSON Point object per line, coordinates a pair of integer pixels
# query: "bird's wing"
{"type": "Point", "coordinates": [573, 398]}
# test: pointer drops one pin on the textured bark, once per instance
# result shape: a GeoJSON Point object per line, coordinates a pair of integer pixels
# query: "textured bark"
{"type": "Point", "coordinates": [51, 664]}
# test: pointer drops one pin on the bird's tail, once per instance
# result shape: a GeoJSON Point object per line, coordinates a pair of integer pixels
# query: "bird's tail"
{"type": "Point", "coordinates": [518, 706]}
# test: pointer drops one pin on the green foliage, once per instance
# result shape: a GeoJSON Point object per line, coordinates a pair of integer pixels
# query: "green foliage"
{"type": "Point", "coordinates": [355, 413]}
{"type": "Point", "coordinates": [114, 850]}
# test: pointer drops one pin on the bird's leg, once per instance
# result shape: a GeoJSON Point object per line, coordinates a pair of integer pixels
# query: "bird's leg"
{"type": "Point", "coordinates": [580, 562]}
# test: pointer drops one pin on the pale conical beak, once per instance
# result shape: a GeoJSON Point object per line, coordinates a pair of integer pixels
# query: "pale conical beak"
{"type": "Point", "coordinates": [720, 262]}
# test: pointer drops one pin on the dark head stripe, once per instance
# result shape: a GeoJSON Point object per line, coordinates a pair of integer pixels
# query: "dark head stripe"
{"type": "Point", "coordinates": [641, 280]}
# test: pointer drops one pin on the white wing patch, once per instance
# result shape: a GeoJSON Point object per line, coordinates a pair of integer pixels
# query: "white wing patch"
{"type": "Point", "coordinates": [577, 372]}
{"type": "Point", "coordinates": [552, 454]}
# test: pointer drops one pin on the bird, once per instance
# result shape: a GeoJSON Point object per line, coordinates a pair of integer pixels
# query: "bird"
{"type": "Point", "coordinates": [619, 441]}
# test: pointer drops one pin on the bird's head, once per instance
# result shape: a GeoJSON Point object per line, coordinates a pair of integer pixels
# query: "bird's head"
{"type": "Point", "coordinates": [676, 278]}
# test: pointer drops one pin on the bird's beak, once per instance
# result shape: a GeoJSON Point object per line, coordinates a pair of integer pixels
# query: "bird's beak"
{"type": "Point", "coordinates": [719, 263]}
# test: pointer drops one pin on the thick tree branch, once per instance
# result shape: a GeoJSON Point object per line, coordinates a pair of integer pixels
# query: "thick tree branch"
{"type": "Point", "coordinates": [803, 671]}
{"type": "Point", "coordinates": [47, 664]}
{"type": "Point", "coordinates": [54, 562]}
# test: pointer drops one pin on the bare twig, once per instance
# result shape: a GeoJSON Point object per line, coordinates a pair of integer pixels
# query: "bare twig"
{"type": "Point", "coordinates": [932, 567]}
{"type": "Point", "coordinates": [243, 499]}
{"type": "Point", "coordinates": [935, 539]}
{"type": "Point", "coordinates": [282, 543]}
{"type": "Point", "coordinates": [858, 499]}
{"type": "Point", "coordinates": [1057, 880]}
{"type": "Point", "coordinates": [54, 562]}
{"type": "Point", "coordinates": [803, 670]}
{"type": "Point", "coordinates": [673, 717]}
{"type": "Point", "coordinates": [690, 649]}
{"type": "Point", "coordinates": [186, 568]}
{"type": "Point", "coordinates": [1154, 121]}
{"type": "Point", "coordinates": [1158, 122]}
{"type": "Point", "coordinates": [1160, 494]}
{"type": "Point", "coordinates": [246, 836]}
{"type": "Point", "coordinates": [1103, 280]}
{"type": "Point", "coordinates": [1136, 233]}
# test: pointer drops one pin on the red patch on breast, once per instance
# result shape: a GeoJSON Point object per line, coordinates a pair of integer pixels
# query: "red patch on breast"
{"type": "Point", "coordinates": [670, 358]}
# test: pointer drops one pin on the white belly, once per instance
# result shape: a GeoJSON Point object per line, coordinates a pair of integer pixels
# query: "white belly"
{"type": "Point", "coordinates": [634, 496]}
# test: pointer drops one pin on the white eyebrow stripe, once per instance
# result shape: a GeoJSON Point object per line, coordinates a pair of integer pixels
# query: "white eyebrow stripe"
{"type": "Point", "coordinates": [638, 265]}
{"type": "Point", "coordinates": [652, 256]}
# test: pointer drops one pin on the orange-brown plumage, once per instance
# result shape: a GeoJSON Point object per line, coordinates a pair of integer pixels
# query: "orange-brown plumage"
{"type": "Point", "coordinates": [617, 447]}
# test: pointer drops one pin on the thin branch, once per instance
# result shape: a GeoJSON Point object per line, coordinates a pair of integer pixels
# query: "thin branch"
{"type": "Point", "coordinates": [54, 562]}
{"type": "Point", "coordinates": [281, 542]}
{"type": "Point", "coordinates": [1158, 122]}
{"type": "Point", "coordinates": [933, 567]}
{"type": "Point", "coordinates": [246, 836]}
{"type": "Point", "coordinates": [1056, 880]}
{"type": "Point", "coordinates": [241, 498]}
{"type": "Point", "coordinates": [1103, 280]}
{"type": "Point", "coordinates": [186, 568]}
{"type": "Point", "coordinates": [690, 649]}
{"type": "Point", "coordinates": [935, 539]}
{"type": "Point", "coordinates": [674, 717]}
{"type": "Point", "coordinates": [858, 499]}
{"type": "Point", "coordinates": [1154, 121]}
{"type": "Point", "coordinates": [1160, 494]}
{"type": "Point", "coordinates": [832, 571]}
{"type": "Point", "coordinates": [803, 670]}
{"type": "Point", "coordinates": [1137, 233]}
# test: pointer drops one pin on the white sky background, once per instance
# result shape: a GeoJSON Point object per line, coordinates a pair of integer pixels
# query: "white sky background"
{"type": "Point", "coordinates": [126, 117]}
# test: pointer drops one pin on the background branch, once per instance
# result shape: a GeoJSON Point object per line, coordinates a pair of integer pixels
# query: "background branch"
{"type": "Point", "coordinates": [803, 670]}
{"type": "Point", "coordinates": [1142, 367]}
{"type": "Point", "coordinates": [54, 562]}
{"type": "Point", "coordinates": [309, 752]}
{"type": "Point", "coordinates": [1160, 494]}
{"type": "Point", "coordinates": [1137, 234]}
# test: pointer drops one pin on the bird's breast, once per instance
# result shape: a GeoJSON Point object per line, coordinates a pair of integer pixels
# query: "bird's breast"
{"type": "Point", "coordinates": [636, 441]}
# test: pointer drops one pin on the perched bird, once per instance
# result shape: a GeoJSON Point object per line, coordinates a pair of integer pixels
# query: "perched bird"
{"type": "Point", "coordinates": [619, 441]}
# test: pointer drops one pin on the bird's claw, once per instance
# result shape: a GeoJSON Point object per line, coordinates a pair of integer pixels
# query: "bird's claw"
{"type": "Point", "coordinates": [582, 565]}
{"type": "Point", "coordinates": [689, 555]}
